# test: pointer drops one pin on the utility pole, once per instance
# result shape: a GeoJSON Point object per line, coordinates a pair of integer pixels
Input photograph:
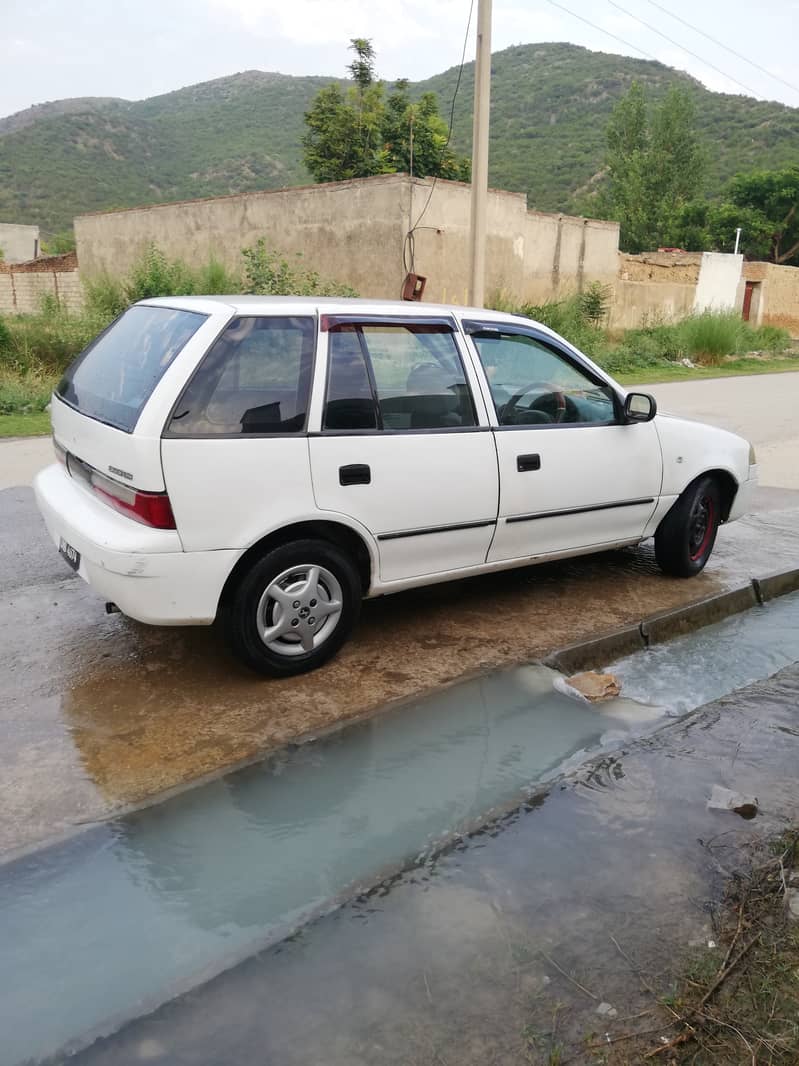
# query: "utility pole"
{"type": "Point", "coordinates": [482, 101]}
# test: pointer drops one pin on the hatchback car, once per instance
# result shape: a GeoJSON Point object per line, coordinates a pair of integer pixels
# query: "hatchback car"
{"type": "Point", "coordinates": [267, 462]}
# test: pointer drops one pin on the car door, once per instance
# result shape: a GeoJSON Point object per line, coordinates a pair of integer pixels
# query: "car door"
{"type": "Point", "coordinates": [572, 475]}
{"type": "Point", "coordinates": [404, 445]}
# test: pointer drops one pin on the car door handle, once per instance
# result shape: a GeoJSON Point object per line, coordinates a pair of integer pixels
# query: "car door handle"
{"type": "Point", "coordinates": [354, 474]}
{"type": "Point", "coordinates": [528, 462]}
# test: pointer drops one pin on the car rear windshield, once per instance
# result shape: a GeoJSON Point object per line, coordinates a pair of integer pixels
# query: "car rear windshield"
{"type": "Point", "coordinates": [115, 376]}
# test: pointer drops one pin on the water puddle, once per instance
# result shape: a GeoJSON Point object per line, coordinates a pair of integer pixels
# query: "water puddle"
{"type": "Point", "coordinates": [106, 926]}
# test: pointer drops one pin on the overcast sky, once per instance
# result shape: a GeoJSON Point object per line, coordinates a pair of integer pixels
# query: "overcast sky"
{"type": "Point", "coordinates": [137, 48]}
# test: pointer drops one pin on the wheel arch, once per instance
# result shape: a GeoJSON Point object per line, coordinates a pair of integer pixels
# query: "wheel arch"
{"type": "Point", "coordinates": [728, 487]}
{"type": "Point", "coordinates": [337, 533]}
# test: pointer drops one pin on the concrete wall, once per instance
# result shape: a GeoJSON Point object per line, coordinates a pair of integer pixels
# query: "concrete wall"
{"type": "Point", "coordinates": [22, 285]}
{"type": "Point", "coordinates": [354, 232]}
{"type": "Point", "coordinates": [19, 243]}
{"type": "Point", "coordinates": [718, 286]}
{"type": "Point", "coordinates": [775, 299]}
{"type": "Point", "coordinates": [638, 303]}
{"type": "Point", "coordinates": [530, 257]}
{"type": "Point", "coordinates": [349, 231]}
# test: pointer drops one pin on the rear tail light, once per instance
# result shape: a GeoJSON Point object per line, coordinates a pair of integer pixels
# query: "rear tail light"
{"type": "Point", "coordinates": [150, 508]}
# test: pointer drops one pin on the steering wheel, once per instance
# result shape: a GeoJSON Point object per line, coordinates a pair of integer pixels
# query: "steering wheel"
{"type": "Point", "coordinates": [563, 405]}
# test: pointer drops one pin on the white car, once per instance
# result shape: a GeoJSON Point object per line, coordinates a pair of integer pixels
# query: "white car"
{"type": "Point", "coordinates": [268, 462]}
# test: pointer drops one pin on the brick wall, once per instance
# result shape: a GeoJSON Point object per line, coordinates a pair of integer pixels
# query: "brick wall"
{"type": "Point", "coordinates": [22, 285]}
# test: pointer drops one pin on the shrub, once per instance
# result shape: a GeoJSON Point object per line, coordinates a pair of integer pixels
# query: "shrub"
{"type": "Point", "coordinates": [155, 275]}
{"type": "Point", "coordinates": [214, 279]}
{"type": "Point", "coordinates": [24, 393]}
{"type": "Point", "coordinates": [711, 335]}
{"type": "Point", "coordinates": [59, 243]}
{"type": "Point", "coordinates": [267, 273]}
{"type": "Point", "coordinates": [105, 296]}
{"type": "Point", "coordinates": [768, 339]}
{"type": "Point", "coordinates": [594, 303]}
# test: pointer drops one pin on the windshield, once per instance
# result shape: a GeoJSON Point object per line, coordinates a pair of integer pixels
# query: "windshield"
{"type": "Point", "coordinates": [115, 376]}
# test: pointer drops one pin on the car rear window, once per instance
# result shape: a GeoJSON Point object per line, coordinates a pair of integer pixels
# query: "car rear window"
{"type": "Point", "coordinates": [114, 377]}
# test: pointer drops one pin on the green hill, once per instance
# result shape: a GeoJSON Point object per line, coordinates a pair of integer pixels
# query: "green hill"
{"type": "Point", "coordinates": [550, 103]}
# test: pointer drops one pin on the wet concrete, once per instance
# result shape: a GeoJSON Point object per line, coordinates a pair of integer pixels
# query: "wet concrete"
{"type": "Point", "coordinates": [100, 712]}
{"type": "Point", "coordinates": [462, 959]}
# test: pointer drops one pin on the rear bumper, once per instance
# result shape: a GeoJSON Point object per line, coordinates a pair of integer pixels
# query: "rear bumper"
{"type": "Point", "coordinates": [742, 504]}
{"type": "Point", "coordinates": [143, 571]}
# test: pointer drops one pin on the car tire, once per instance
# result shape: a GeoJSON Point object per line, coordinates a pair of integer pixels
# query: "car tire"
{"type": "Point", "coordinates": [685, 538]}
{"type": "Point", "coordinates": [293, 608]}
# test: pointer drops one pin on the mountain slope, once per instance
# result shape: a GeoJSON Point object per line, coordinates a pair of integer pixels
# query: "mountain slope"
{"type": "Point", "coordinates": [550, 103]}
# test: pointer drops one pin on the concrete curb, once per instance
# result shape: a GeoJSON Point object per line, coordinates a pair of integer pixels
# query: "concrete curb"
{"type": "Point", "coordinates": [589, 653]}
{"type": "Point", "coordinates": [669, 624]}
{"type": "Point", "coordinates": [778, 584]}
{"type": "Point", "coordinates": [657, 628]}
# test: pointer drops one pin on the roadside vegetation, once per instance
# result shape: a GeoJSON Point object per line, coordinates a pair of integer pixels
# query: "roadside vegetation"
{"type": "Point", "coordinates": [703, 345]}
{"type": "Point", "coordinates": [735, 1001]}
{"type": "Point", "coordinates": [731, 999]}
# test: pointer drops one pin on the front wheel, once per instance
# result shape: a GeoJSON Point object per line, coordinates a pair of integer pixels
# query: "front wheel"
{"type": "Point", "coordinates": [685, 538]}
{"type": "Point", "coordinates": [293, 609]}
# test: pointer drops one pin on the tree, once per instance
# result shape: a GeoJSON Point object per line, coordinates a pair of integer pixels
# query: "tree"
{"type": "Point", "coordinates": [655, 167]}
{"type": "Point", "coordinates": [767, 204]}
{"type": "Point", "coordinates": [764, 204]}
{"type": "Point", "coordinates": [360, 132]}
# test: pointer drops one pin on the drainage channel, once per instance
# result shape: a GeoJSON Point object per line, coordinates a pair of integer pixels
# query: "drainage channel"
{"type": "Point", "coordinates": [110, 924]}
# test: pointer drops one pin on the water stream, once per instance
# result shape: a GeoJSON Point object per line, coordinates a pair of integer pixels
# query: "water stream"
{"type": "Point", "coordinates": [122, 917]}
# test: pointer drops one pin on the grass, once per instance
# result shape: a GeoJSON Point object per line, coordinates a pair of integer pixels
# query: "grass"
{"type": "Point", "coordinates": [733, 368]}
{"type": "Point", "coordinates": [35, 424]}
{"type": "Point", "coordinates": [737, 1003]}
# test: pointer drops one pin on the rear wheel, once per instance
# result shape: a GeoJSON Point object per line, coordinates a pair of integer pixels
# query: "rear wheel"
{"type": "Point", "coordinates": [293, 609]}
{"type": "Point", "coordinates": [685, 537]}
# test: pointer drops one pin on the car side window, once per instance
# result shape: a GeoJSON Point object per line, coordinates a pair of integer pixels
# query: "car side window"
{"type": "Point", "coordinates": [399, 377]}
{"type": "Point", "coordinates": [533, 384]}
{"type": "Point", "coordinates": [255, 378]}
{"type": "Point", "coordinates": [350, 402]}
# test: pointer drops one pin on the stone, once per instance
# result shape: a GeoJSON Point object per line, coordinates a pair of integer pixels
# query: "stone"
{"type": "Point", "coordinates": [149, 1049]}
{"type": "Point", "coordinates": [793, 903]}
{"type": "Point", "coordinates": [594, 686]}
{"type": "Point", "coordinates": [724, 799]}
{"type": "Point", "coordinates": [607, 1010]}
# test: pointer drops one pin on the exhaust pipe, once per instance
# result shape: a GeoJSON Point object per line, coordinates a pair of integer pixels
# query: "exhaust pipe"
{"type": "Point", "coordinates": [111, 608]}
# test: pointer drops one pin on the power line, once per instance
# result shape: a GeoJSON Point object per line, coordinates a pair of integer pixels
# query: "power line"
{"type": "Point", "coordinates": [716, 41]}
{"type": "Point", "coordinates": [607, 33]}
{"type": "Point", "coordinates": [682, 47]}
{"type": "Point", "coordinates": [408, 246]}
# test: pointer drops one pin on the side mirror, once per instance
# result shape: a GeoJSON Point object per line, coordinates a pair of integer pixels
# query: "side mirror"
{"type": "Point", "coordinates": [639, 407]}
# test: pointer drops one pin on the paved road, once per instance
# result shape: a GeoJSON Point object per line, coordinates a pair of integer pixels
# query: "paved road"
{"type": "Point", "coordinates": [762, 408]}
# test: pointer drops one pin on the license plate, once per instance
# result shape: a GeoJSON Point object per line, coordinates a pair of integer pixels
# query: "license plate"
{"type": "Point", "coordinates": [72, 555]}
